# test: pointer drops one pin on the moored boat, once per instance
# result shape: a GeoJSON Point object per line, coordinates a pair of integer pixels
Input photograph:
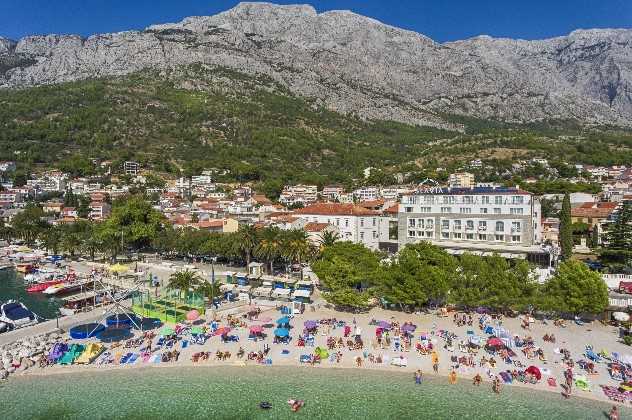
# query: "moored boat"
{"type": "Point", "coordinates": [16, 315]}
{"type": "Point", "coordinates": [40, 287]}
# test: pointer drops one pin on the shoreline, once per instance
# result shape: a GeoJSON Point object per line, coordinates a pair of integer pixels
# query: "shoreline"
{"type": "Point", "coordinates": [89, 369]}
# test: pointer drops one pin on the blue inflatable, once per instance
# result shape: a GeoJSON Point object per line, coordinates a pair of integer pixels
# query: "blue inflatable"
{"type": "Point", "coordinates": [79, 332]}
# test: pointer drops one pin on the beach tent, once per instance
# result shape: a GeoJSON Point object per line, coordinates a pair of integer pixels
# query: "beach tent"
{"type": "Point", "coordinates": [489, 330]}
{"type": "Point", "coordinates": [256, 329]}
{"type": "Point", "coordinates": [384, 325]}
{"type": "Point", "coordinates": [197, 330]}
{"type": "Point", "coordinates": [533, 370]}
{"type": "Point", "coordinates": [582, 383]}
{"type": "Point", "coordinates": [281, 332]}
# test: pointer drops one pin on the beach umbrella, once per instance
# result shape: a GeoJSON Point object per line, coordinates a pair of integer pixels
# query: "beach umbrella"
{"type": "Point", "coordinates": [621, 316]}
{"type": "Point", "coordinates": [283, 320]}
{"type": "Point", "coordinates": [533, 370]}
{"type": "Point", "coordinates": [197, 330]}
{"type": "Point", "coordinates": [384, 325]}
{"type": "Point", "coordinates": [310, 324]}
{"type": "Point", "coordinates": [256, 329]}
{"type": "Point", "coordinates": [281, 332]}
{"type": "Point", "coordinates": [193, 315]}
{"type": "Point", "coordinates": [408, 328]}
{"type": "Point", "coordinates": [166, 330]}
{"type": "Point", "coordinates": [222, 331]}
{"type": "Point", "coordinates": [494, 342]}
{"type": "Point", "coordinates": [118, 268]}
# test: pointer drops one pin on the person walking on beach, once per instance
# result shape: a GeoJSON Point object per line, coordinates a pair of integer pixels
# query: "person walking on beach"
{"type": "Point", "coordinates": [614, 413]}
{"type": "Point", "coordinates": [418, 377]}
{"type": "Point", "coordinates": [452, 377]}
{"type": "Point", "coordinates": [496, 385]}
{"type": "Point", "coordinates": [435, 361]}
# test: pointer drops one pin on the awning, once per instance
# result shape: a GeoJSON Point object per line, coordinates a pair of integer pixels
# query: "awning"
{"type": "Point", "coordinates": [282, 292]}
{"type": "Point", "coordinates": [301, 293]}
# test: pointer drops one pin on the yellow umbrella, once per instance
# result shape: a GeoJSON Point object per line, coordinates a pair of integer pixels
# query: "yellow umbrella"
{"type": "Point", "coordinates": [118, 268]}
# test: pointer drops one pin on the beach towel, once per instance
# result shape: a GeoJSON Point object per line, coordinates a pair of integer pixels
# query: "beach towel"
{"type": "Point", "coordinates": [132, 359]}
{"type": "Point", "coordinates": [146, 357]}
{"type": "Point", "coordinates": [551, 382]}
{"type": "Point", "coordinates": [126, 358]}
{"type": "Point", "coordinates": [506, 377]}
{"type": "Point", "coordinates": [185, 344]}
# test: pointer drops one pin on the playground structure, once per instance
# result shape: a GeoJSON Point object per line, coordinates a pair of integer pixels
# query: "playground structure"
{"type": "Point", "coordinates": [170, 307]}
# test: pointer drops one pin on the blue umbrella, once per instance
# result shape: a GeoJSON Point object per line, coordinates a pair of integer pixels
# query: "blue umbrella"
{"type": "Point", "coordinates": [281, 332]}
{"type": "Point", "coordinates": [283, 320]}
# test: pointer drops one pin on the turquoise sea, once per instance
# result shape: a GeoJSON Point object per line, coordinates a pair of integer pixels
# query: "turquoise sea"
{"type": "Point", "coordinates": [12, 287]}
{"type": "Point", "coordinates": [235, 392]}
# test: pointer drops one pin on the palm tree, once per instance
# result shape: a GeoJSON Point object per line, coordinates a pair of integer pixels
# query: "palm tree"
{"type": "Point", "coordinates": [209, 290]}
{"type": "Point", "coordinates": [296, 247]}
{"type": "Point", "coordinates": [269, 247]}
{"type": "Point", "coordinates": [52, 239]}
{"type": "Point", "coordinates": [328, 238]}
{"type": "Point", "coordinates": [184, 281]}
{"type": "Point", "coordinates": [248, 238]}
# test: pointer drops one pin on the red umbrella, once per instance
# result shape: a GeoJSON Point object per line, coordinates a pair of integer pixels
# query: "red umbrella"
{"type": "Point", "coordinates": [193, 315]}
{"type": "Point", "coordinates": [533, 370]}
{"type": "Point", "coordinates": [494, 342]}
{"type": "Point", "coordinates": [222, 330]}
{"type": "Point", "coordinates": [256, 329]}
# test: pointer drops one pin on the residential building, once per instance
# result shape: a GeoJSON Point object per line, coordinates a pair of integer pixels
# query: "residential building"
{"type": "Point", "coordinates": [315, 231]}
{"type": "Point", "coordinates": [506, 220]}
{"type": "Point", "coordinates": [591, 213]}
{"type": "Point", "coordinates": [366, 194]}
{"type": "Point", "coordinates": [461, 180]}
{"type": "Point", "coordinates": [476, 164]}
{"type": "Point", "coordinates": [219, 225]}
{"type": "Point", "coordinates": [388, 229]}
{"type": "Point", "coordinates": [49, 182]}
{"type": "Point", "coordinates": [332, 192]}
{"type": "Point", "coordinates": [355, 223]}
{"type": "Point", "coordinates": [551, 230]}
{"type": "Point", "coordinates": [131, 168]}
{"type": "Point", "coordinates": [11, 197]}
{"type": "Point", "coordinates": [299, 194]}
{"type": "Point", "coordinates": [100, 210]}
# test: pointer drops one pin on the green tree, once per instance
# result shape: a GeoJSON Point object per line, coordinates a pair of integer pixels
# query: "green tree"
{"type": "Point", "coordinates": [296, 247]}
{"type": "Point", "coordinates": [269, 247]}
{"type": "Point", "coordinates": [134, 222]}
{"type": "Point", "coordinates": [184, 281]}
{"type": "Point", "coordinates": [30, 223]}
{"type": "Point", "coordinates": [575, 288]}
{"type": "Point", "coordinates": [328, 238]}
{"type": "Point", "coordinates": [83, 207]}
{"type": "Point", "coordinates": [566, 228]}
{"type": "Point", "coordinates": [52, 239]}
{"type": "Point", "coordinates": [248, 239]}
{"type": "Point", "coordinates": [617, 240]}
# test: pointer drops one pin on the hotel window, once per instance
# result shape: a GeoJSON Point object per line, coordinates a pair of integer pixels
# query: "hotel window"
{"type": "Point", "coordinates": [420, 223]}
{"type": "Point", "coordinates": [361, 222]}
{"type": "Point", "coordinates": [457, 235]}
{"type": "Point", "coordinates": [468, 199]}
{"type": "Point", "coordinates": [374, 221]}
{"type": "Point", "coordinates": [428, 199]}
{"type": "Point", "coordinates": [469, 225]}
{"type": "Point", "coordinates": [361, 235]}
{"type": "Point", "coordinates": [497, 211]}
{"type": "Point", "coordinates": [465, 210]}
{"type": "Point", "coordinates": [515, 226]}
{"type": "Point", "coordinates": [412, 199]}
{"type": "Point", "coordinates": [337, 222]}
{"type": "Point", "coordinates": [445, 224]}
{"type": "Point", "coordinates": [446, 210]}
{"type": "Point", "coordinates": [374, 235]}
{"type": "Point", "coordinates": [445, 235]}
{"type": "Point", "coordinates": [426, 209]}
{"type": "Point", "coordinates": [411, 222]}
{"type": "Point", "coordinates": [499, 237]}
{"type": "Point", "coordinates": [498, 199]}
{"type": "Point", "coordinates": [517, 199]}
{"type": "Point", "coordinates": [429, 223]}
{"type": "Point", "coordinates": [409, 209]}
{"type": "Point", "coordinates": [448, 199]}
{"type": "Point", "coordinates": [411, 233]}
{"type": "Point", "coordinates": [420, 234]}
{"type": "Point", "coordinates": [515, 238]}
{"type": "Point", "coordinates": [516, 211]}
{"type": "Point", "coordinates": [484, 210]}
{"type": "Point", "coordinates": [429, 234]}
{"type": "Point", "coordinates": [482, 237]}
{"type": "Point", "coordinates": [469, 236]}
{"type": "Point", "coordinates": [457, 225]}
{"type": "Point", "coordinates": [500, 226]}
{"type": "Point", "coordinates": [485, 199]}
{"type": "Point", "coordinates": [482, 225]}
{"type": "Point", "coordinates": [347, 222]}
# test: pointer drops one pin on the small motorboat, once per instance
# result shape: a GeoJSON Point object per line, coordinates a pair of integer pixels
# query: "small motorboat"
{"type": "Point", "coordinates": [4, 267]}
{"type": "Point", "coordinates": [40, 287]}
{"type": "Point", "coordinates": [16, 315]}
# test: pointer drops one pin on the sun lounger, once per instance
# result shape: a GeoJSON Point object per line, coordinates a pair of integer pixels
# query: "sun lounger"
{"type": "Point", "coordinates": [506, 376]}
{"type": "Point", "coordinates": [132, 359]}
{"type": "Point", "coordinates": [125, 358]}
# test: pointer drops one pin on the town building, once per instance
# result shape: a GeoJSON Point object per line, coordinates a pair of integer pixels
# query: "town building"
{"type": "Point", "coordinates": [332, 192]}
{"type": "Point", "coordinates": [49, 182]}
{"type": "Point", "coordinates": [355, 223]}
{"type": "Point", "coordinates": [461, 180]}
{"type": "Point", "coordinates": [316, 231]}
{"type": "Point", "coordinates": [299, 195]}
{"type": "Point", "coordinates": [100, 210]}
{"type": "Point", "coordinates": [506, 220]}
{"type": "Point", "coordinates": [218, 225]}
{"type": "Point", "coordinates": [593, 214]}
{"type": "Point", "coordinates": [366, 194]}
{"type": "Point", "coordinates": [131, 168]}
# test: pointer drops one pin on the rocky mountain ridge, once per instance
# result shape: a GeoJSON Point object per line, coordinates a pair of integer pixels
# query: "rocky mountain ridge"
{"type": "Point", "coordinates": [354, 64]}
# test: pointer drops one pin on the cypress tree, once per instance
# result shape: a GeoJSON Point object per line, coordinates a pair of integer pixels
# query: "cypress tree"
{"type": "Point", "coordinates": [566, 228]}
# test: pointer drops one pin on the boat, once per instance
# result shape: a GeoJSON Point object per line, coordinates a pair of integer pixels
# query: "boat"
{"type": "Point", "coordinates": [40, 287]}
{"type": "Point", "coordinates": [4, 267]}
{"type": "Point", "coordinates": [24, 268]}
{"type": "Point", "coordinates": [16, 315]}
{"type": "Point", "coordinates": [66, 287]}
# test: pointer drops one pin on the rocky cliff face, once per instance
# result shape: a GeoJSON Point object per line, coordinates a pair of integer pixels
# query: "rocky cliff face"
{"type": "Point", "coordinates": [355, 64]}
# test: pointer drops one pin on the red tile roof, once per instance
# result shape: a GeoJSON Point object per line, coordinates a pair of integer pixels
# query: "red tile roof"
{"type": "Point", "coordinates": [394, 209]}
{"type": "Point", "coordinates": [315, 227]}
{"type": "Point", "coordinates": [594, 210]}
{"type": "Point", "coordinates": [336, 209]}
{"type": "Point", "coordinates": [206, 224]}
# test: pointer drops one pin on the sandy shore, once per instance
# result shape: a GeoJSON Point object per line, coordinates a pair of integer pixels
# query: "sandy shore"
{"type": "Point", "coordinates": [573, 337]}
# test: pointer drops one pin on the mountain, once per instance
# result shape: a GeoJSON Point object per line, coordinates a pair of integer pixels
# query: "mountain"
{"type": "Point", "coordinates": [357, 65]}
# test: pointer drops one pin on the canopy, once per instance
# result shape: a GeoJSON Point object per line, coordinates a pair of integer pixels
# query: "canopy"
{"type": "Point", "coordinates": [118, 268]}
{"type": "Point", "coordinates": [281, 332]}
{"type": "Point", "coordinates": [408, 328]}
{"type": "Point", "coordinates": [193, 315]}
{"type": "Point", "coordinates": [533, 370]}
{"type": "Point", "coordinates": [621, 316]}
{"type": "Point", "coordinates": [495, 342]}
{"type": "Point", "coordinates": [310, 324]}
{"type": "Point", "coordinates": [384, 325]}
{"type": "Point", "coordinates": [256, 329]}
{"type": "Point", "coordinates": [166, 330]}
{"type": "Point", "coordinates": [283, 320]}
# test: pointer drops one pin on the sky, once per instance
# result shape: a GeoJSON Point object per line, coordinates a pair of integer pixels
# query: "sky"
{"type": "Point", "coordinates": [441, 20]}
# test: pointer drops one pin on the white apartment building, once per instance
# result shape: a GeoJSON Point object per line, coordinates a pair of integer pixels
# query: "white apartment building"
{"type": "Point", "coordinates": [477, 219]}
{"type": "Point", "coordinates": [131, 168]}
{"type": "Point", "coordinates": [355, 223]}
{"type": "Point", "coordinates": [51, 181]}
{"type": "Point", "coordinates": [332, 192]}
{"type": "Point", "coordinates": [366, 193]}
{"type": "Point", "coordinates": [295, 194]}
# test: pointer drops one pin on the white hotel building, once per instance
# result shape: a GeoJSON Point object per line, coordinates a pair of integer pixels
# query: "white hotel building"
{"type": "Point", "coordinates": [480, 220]}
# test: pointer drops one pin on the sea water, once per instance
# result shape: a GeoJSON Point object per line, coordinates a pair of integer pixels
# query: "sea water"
{"type": "Point", "coordinates": [12, 287]}
{"type": "Point", "coordinates": [235, 393]}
